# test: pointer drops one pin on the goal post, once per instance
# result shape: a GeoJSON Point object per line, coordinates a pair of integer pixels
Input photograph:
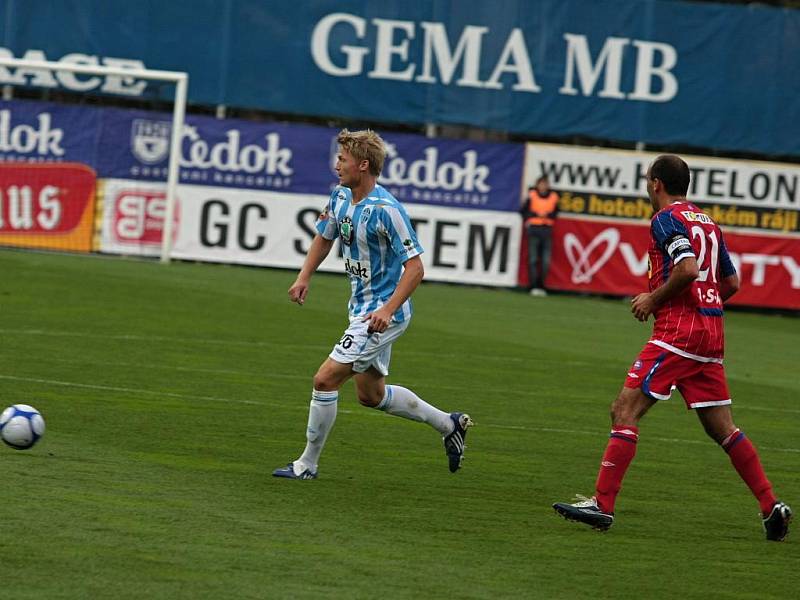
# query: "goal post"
{"type": "Point", "coordinates": [181, 81]}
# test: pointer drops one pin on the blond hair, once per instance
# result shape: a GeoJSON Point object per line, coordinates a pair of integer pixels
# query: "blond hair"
{"type": "Point", "coordinates": [364, 145]}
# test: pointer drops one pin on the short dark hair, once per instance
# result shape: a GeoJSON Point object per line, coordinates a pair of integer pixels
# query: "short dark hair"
{"type": "Point", "coordinates": [673, 172]}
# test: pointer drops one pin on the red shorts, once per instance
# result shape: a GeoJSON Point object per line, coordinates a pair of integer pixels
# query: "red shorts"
{"type": "Point", "coordinates": [657, 372]}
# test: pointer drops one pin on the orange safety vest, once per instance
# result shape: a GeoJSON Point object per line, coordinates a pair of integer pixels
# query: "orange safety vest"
{"type": "Point", "coordinates": [541, 207]}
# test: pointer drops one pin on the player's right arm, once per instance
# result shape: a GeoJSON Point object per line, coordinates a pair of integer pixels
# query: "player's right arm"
{"type": "Point", "coordinates": [319, 250]}
{"type": "Point", "coordinates": [671, 236]}
{"type": "Point", "coordinates": [681, 277]}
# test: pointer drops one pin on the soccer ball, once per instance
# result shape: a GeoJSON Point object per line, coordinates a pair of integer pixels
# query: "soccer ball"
{"type": "Point", "coordinates": [21, 426]}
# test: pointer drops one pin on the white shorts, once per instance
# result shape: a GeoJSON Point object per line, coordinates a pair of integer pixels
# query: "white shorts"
{"type": "Point", "coordinates": [364, 350]}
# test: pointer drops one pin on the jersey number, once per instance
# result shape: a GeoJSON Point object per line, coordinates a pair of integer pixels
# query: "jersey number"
{"type": "Point", "coordinates": [698, 232]}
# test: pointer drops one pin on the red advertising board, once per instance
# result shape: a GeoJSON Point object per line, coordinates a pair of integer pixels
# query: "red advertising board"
{"type": "Point", "coordinates": [47, 205]}
{"type": "Point", "coordinates": [610, 257]}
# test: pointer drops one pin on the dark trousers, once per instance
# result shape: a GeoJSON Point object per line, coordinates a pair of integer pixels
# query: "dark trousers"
{"type": "Point", "coordinates": [540, 243]}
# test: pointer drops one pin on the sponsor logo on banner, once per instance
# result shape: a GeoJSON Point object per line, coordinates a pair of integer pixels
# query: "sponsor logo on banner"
{"type": "Point", "coordinates": [150, 140]}
{"type": "Point", "coordinates": [107, 84]}
{"type": "Point", "coordinates": [40, 132]}
{"type": "Point", "coordinates": [40, 140]}
{"type": "Point", "coordinates": [612, 184]}
{"type": "Point", "coordinates": [590, 255]}
{"type": "Point", "coordinates": [138, 216]}
{"type": "Point", "coordinates": [585, 263]}
{"type": "Point", "coordinates": [47, 206]}
{"type": "Point", "coordinates": [207, 159]}
{"type": "Point", "coordinates": [277, 228]}
{"type": "Point", "coordinates": [450, 173]}
{"type": "Point", "coordinates": [464, 65]}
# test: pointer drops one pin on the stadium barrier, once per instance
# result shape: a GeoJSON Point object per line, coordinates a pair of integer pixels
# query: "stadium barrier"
{"type": "Point", "coordinates": [250, 192]}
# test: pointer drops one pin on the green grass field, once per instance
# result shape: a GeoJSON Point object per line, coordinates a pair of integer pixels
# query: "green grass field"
{"type": "Point", "coordinates": [171, 392]}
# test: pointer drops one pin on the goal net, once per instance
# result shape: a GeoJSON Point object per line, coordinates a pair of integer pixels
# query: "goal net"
{"type": "Point", "coordinates": [64, 184]}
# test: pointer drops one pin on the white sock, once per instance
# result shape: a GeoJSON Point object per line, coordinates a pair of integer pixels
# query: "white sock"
{"type": "Point", "coordinates": [321, 416]}
{"type": "Point", "coordinates": [402, 402]}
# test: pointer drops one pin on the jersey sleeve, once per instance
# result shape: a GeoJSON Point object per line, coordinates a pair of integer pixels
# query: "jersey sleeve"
{"type": "Point", "coordinates": [396, 226]}
{"type": "Point", "coordinates": [671, 237]}
{"type": "Point", "coordinates": [725, 263]}
{"type": "Point", "coordinates": [326, 224]}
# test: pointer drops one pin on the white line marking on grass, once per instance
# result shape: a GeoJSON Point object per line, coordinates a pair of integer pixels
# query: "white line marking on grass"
{"type": "Point", "coordinates": [344, 411]}
{"type": "Point", "coordinates": [246, 344]}
{"type": "Point", "coordinates": [110, 388]}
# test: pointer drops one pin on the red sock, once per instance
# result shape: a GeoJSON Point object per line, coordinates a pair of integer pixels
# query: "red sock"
{"type": "Point", "coordinates": [745, 460]}
{"type": "Point", "coordinates": [619, 453]}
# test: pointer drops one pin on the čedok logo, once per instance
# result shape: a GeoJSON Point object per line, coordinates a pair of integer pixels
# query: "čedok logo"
{"type": "Point", "coordinates": [42, 139]}
{"type": "Point", "coordinates": [358, 268]}
{"type": "Point", "coordinates": [419, 173]}
{"type": "Point", "coordinates": [428, 173]}
{"type": "Point", "coordinates": [263, 164]}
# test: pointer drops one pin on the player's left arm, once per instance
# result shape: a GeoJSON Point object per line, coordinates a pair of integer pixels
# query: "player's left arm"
{"type": "Point", "coordinates": [682, 276]}
{"type": "Point", "coordinates": [413, 272]}
{"type": "Point", "coordinates": [729, 283]}
{"type": "Point", "coordinates": [670, 234]}
{"type": "Point", "coordinates": [396, 226]}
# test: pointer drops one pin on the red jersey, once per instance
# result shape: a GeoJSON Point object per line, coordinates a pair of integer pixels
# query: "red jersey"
{"type": "Point", "coordinates": [689, 324]}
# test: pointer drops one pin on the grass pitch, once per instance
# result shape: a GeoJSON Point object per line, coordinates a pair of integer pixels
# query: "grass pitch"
{"type": "Point", "coordinates": [170, 394]}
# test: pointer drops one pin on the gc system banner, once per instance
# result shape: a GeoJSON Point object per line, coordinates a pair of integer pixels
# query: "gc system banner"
{"type": "Point", "coordinates": [610, 256]}
{"type": "Point", "coordinates": [701, 74]}
{"type": "Point", "coordinates": [276, 228]}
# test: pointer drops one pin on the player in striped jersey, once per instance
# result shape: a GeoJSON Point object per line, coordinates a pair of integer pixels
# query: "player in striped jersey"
{"type": "Point", "coordinates": [382, 261]}
{"type": "Point", "coordinates": [691, 275]}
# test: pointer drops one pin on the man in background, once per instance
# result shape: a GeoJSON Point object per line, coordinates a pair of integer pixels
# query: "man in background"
{"type": "Point", "coordinates": [539, 210]}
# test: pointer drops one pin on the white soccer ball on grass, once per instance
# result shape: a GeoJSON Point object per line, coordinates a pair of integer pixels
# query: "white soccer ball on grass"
{"type": "Point", "coordinates": [21, 426]}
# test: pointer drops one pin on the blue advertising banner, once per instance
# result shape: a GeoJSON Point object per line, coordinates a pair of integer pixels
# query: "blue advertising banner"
{"type": "Point", "coordinates": [218, 152]}
{"type": "Point", "coordinates": [453, 173]}
{"type": "Point", "coordinates": [661, 72]}
{"type": "Point", "coordinates": [134, 144]}
{"type": "Point", "coordinates": [300, 159]}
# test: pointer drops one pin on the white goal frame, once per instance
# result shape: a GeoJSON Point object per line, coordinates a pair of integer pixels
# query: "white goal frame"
{"type": "Point", "coordinates": [181, 81]}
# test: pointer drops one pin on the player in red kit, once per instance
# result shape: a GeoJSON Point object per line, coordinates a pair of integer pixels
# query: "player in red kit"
{"type": "Point", "coordinates": [691, 275]}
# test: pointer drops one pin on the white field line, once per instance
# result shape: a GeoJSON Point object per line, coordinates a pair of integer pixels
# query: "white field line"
{"type": "Point", "coordinates": [302, 406]}
{"type": "Point", "coordinates": [246, 344]}
{"type": "Point", "coordinates": [308, 377]}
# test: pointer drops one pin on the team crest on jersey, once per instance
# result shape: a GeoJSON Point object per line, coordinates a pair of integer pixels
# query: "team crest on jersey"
{"type": "Point", "coordinates": [346, 230]}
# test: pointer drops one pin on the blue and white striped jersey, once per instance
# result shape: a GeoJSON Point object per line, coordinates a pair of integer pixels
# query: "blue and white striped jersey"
{"type": "Point", "coordinates": [377, 239]}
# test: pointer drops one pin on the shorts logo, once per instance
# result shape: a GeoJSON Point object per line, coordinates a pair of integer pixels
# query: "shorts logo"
{"type": "Point", "coordinates": [346, 230]}
{"type": "Point", "coordinates": [358, 268]}
{"type": "Point", "coordinates": [150, 140]}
